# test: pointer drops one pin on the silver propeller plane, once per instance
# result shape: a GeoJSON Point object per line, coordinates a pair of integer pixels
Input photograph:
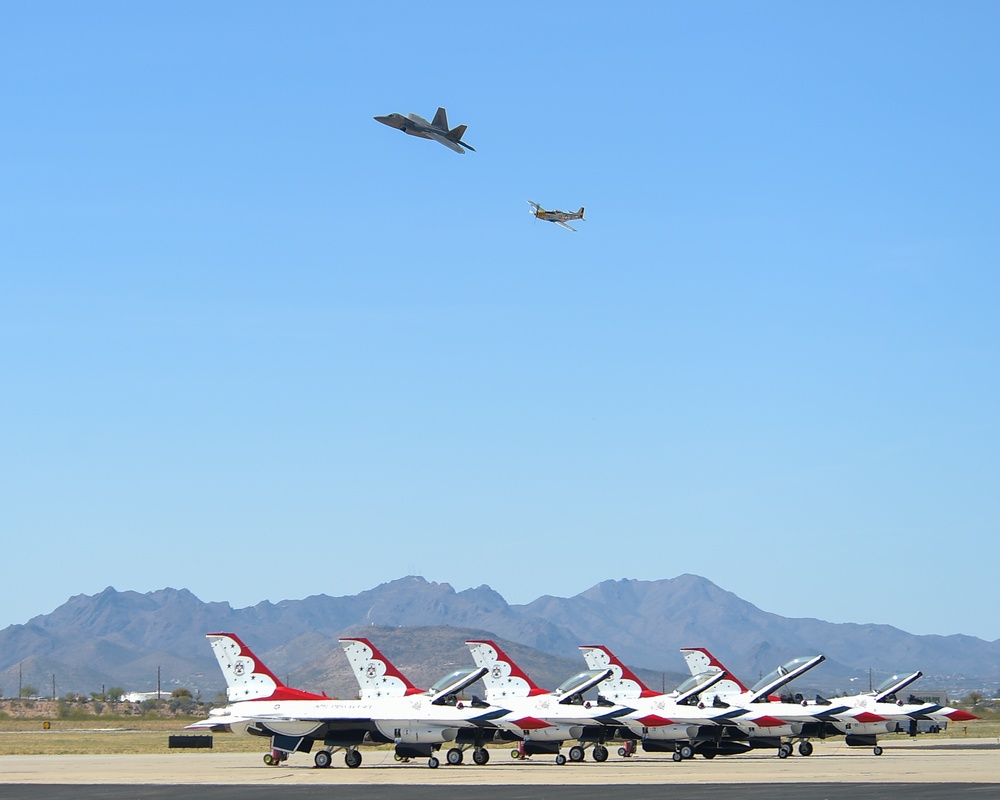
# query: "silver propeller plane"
{"type": "Point", "coordinates": [437, 130]}
{"type": "Point", "coordinates": [560, 218]}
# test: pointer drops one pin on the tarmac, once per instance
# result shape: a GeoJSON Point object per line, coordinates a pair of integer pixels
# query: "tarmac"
{"type": "Point", "coordinates": [956, 763]}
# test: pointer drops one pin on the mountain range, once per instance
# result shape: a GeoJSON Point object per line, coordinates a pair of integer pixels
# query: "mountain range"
{"type": "Point", "coordinates": [126, 638]}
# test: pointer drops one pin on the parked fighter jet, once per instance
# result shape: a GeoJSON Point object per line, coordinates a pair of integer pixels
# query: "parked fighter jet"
{"type": "Point", "coordinates": [560, 218]}
{"type": "Point", "coordinates": [437, 130]}
{"type": "Point", "coordinates": [295, 720]}
{"type": "Point", "coordinates": [543, 720]}
{"type": "Point", "coordinates": [675, 722]}
{"type": "Point", "coordinates": [379, 680]}
{"type": "Point", "coordinates": [859, 718]}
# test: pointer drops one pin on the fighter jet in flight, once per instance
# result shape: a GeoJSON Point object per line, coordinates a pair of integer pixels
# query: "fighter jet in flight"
{"type": "Point", "coordinates": [437, 130]}
{"type": "Point", "coordinates": [560, 218]}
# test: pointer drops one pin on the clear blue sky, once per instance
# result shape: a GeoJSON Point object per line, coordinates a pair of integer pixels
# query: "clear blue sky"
{"type": "Point", "coordinates": [257, 345]}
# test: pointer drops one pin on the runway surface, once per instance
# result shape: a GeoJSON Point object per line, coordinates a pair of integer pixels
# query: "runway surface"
{"type": "Point", "coordinates": [967, 769]}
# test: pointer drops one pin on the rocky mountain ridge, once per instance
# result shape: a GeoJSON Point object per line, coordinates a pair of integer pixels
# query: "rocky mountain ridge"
{"type": "Point", "coordinates": [123, 638]}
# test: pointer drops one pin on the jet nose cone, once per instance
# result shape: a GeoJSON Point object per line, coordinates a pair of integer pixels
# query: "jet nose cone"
{"type": "Point", "coordinates": [383, 119]}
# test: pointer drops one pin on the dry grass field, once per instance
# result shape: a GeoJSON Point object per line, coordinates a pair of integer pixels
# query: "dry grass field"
{"type": "Point", "coordinates": [150, 735]}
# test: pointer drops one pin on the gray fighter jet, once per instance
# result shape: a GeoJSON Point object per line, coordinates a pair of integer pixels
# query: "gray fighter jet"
{"type": "Point", "coordinates": [437, 130]}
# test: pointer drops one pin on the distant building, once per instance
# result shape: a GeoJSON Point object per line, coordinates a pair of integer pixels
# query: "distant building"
{"type": "Point", "coordinates": [138, 697]}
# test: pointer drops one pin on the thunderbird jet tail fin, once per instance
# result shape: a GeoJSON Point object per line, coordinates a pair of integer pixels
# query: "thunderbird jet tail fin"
{"type": "Point", "coordinates": [376, 675]}
{"type": "Point", "coordinates": [440, 119]}
{"type": "Point", "coordinates": [247, 677]}
{"type": "Point", "coordinates": [623, 684]}
{"type": "Point", "coordinates": [700, 661]}
{"type": "Point", "coordinates": [503, 678]}
{"type": "Point", "coordinates": [580, 212]}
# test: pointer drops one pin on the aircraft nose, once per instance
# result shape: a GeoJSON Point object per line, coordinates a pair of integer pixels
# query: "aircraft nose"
{"type": "Point", "coordinates": [384, 120]}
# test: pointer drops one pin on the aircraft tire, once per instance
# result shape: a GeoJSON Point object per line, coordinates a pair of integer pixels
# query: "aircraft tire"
{"type": "Point", "coordinates": [600, 752]}
{"type": "Point", "coordinates": [269, 760]}
{"type": "Point", "coordinates": [560, 759]}
{"type": "Point", "coordinates": [709, 754]}
{"type": "Point", "coordinates": [515, 754]}
{"type": "Point", "coordinates": [805, 748]}
{"type": "Point", "coordinates": [353, 758]}
{"type": "Point", "coordinates": [686, 751]}
{"type": "Point", "coordinates": [783, 752]}
{"type": "Point", "coordinates": [878, 750]}
{"type": "Point", "coordinates": [677, 756]}
{"type": "Point", "coordinates": [623, 752]}
{"type": "Point", "coordinates": [322, 759]}
{"type": "Point", "coordinates": [576, 753]}
{"type": "Point", "coordinates": [454, 757]}
{"type": "Point", "coordinates": [481, 756]}
{"type": "Point", "coordinates": [432, 762]}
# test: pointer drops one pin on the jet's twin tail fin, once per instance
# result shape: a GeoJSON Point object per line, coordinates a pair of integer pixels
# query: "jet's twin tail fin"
{"type": "Point", "coordinates": [623, 684]}
{"type": "Point", "coordinates": [247, 677]}
{"type": "Point", "coordinates": [441, 119]}
{"type": "Point", "coordinates": [376, 675]}
{"type": "Point", "coordinates": [503, 677]}
{"type": "Point", "coordinates": [580, 212]}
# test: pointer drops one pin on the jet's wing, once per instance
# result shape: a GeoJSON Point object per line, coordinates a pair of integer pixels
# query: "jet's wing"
{"type": "Point", "coordinates": [437, 137]}
{"type": "Point", "coordinates": [562, 224]}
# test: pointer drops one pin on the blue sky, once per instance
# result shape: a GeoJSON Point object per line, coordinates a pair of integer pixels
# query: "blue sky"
{"type": "Point", "coordinates": [257, 345]}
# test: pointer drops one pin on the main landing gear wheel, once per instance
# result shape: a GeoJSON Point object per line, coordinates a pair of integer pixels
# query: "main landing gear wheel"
{"type": "Point", "coordinates": [576, 753]}
{"type": "Point", "coordinates": [600, 752]}
{"type": "Point", "coordinates": [686, 751]}
{"type": "Point", "coordinates": [708, 754]}
{"type": "Point", "coordinates": [322, 759]}
{"type": "Point", "coordinates": [481, 756]}
{"type": "Point", "coordinates": [878, 750]}
{"type": "Point", "coordinates": [454, 756]}
{"type": "Point", "coordinates": [805, 748]}
{"type": "Point", "coordinates": [432, 762]}
{"type": "Point", "coordinates": [560, 759]}
{"type": "Point", "coordinates": [353, 758]}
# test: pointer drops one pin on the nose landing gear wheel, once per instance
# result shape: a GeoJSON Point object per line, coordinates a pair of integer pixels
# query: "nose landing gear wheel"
{"type": "Point", "coordinates": [878, 750]}
{"type": "Point", "coordinates": [677, 756]}
{"type": "Point", "coordinates": [432, 762]}
{"type": "Point", "coordinates": [784, 751]}
{"type": "Point", "coordinates": [560, 759]}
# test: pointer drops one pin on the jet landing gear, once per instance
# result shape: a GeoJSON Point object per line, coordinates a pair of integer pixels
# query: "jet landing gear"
{"type": "Point", "coordinates": [324, 758]}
